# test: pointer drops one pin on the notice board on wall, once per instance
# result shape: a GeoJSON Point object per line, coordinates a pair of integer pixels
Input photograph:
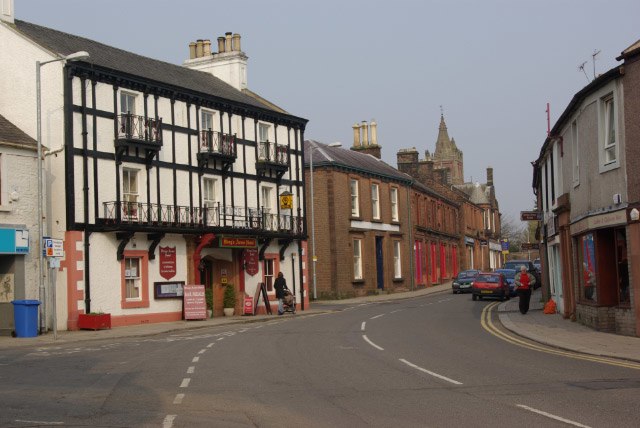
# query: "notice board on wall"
{"type": "Point", "coordinates": [194, 304]}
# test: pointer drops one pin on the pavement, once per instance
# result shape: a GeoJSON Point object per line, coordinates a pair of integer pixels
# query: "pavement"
{"type": "Point", "coordinates": [552, 330]}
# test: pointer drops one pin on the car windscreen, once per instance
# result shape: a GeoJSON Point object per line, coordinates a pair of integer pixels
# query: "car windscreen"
{"type": "Point", "coordinates": [489, 278]}
{"type": "Point", "coordinates": [467, 274]}
{"type": "Point", "coordinates": [508, 273]}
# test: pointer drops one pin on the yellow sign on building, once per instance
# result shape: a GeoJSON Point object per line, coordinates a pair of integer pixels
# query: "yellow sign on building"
{"type": "Point", "coordinates": [286, 201]}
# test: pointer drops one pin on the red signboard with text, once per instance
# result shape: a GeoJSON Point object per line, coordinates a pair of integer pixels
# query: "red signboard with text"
{"type": "Point", "coordinates": [167, 262]}
{"type": "Point", "coordinates": [251, 260]}
{"type": "Point", "coordinates": [195, 304]}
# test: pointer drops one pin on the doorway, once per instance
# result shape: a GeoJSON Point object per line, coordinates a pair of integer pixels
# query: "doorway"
{"type": "Point", "coordinates": [379, 263]}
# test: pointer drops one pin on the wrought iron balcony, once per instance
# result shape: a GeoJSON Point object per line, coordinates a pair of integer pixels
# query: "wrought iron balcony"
{"type": "Point", "coordinates": [139, 132]}
{"type": "Point", "coordinates": [272, 157]}
{"type": "Point", "coordinates": [216, 217]}
{"type": "Point", "coordinates": [216, 145]}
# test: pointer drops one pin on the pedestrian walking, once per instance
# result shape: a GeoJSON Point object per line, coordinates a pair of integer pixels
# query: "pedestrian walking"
{"type": "Point", "coordinates": [524, 282]}
{"type": "Point", "coordinates": [280, 286]}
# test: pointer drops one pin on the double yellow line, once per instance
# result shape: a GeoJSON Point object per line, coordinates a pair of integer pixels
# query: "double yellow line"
{"type": "Point", "coordinates": [487, 324]}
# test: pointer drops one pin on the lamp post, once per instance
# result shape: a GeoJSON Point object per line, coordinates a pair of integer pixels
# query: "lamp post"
{"type": "Point", "coordinates": [313, 223]}
{"type": "Point", "coordinates": [76, 56]}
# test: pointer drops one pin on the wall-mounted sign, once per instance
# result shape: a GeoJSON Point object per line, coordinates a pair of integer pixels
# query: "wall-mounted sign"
{"type": "Point", "coordinates": [54, 247]}
{"type": "Point", "coordinates": [228, 242]}
{"type": "Point", "coordinates": [505, 246]}
{"type": "Point", "coordinates": [484, 242]}
{"type": "Point", "coordinates": [167, 262]}
{"type": "Point", "coordinates": [168, 290]}
{"type": "Point", "coordinates": [528, 246]}
{"type": "Point", "coordinates": [469, 241]}
{"type": "Point", "coordinates": [14, 241]}
{"type": "Point", "coordinates": [194, 302]}
{"type": "Point", "coordinates": [251, 262]}
{"type": "Point", "coordinates": [286, 201]}
{"type": "Point", "coordinates": [530, 215]}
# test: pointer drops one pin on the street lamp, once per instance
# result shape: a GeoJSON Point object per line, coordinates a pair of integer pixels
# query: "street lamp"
{"type": "Point", "coordinates": [76, 56]}
{"type": "Point", "coordinates": [313, 223]}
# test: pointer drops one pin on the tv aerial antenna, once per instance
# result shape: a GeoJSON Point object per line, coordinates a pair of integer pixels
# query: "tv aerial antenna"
{"type": "Point", "coordinates": [581, 68]}
{"type": "Point", "coordinates": [593, 56]}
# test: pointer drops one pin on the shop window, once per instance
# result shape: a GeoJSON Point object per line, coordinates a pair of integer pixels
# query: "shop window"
{"type": "Point", "coordinates": [135, 279]}
{"type": "Point", "coordinates": [622, 267]}
{"type": "Point", "coordinates": [587, 265]}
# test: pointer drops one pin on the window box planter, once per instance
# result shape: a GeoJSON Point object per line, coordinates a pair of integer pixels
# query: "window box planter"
{"type": "Point", "coordinates": [94, 321]}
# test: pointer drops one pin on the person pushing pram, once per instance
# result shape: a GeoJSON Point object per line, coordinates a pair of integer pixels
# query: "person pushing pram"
{"type": "Point", "coordinates": [286, 300]}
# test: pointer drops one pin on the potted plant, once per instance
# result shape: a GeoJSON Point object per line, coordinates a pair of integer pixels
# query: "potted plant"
{"type": "Point", "coordinates": [94, 321]}
{"type": "Point", "coordinates": [208, 295]}
{"type": "Point", "coordinates": [229, 300]}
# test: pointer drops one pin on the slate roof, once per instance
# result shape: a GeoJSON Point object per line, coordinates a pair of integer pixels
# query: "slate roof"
{"type": "Point", "coordinates": [477, 192]}
{"type": "Point", "coordinates": [137, 65]}
{"type": "Point", "coordinates": [9, 133]}
{"type": "Point", "coordinates": [352, 160]}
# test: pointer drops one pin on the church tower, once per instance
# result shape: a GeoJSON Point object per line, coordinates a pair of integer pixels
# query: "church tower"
{"type": "Point", "coordinates": [448, 156]}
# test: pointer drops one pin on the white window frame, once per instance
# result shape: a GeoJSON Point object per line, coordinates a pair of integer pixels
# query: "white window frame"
{"type": "Point", "coordinates": [357, 259]}
{"type": "Point", "coordinates": [575, 152]}
{"type": "Point", "coordinates": [264, 130]}
{"type": "Point", "coordinates": [397, 260]}
{"type": "Point", "coordinates": [209, 196]}
{"type": "Point", "coordinates": [133, 278]}
{"type": "Point", "coordinates": [608, 112]}
{"type": "Point", "coordinates": [128, 102]}
{"type": "Point", "coordinates": [394, 204]}
{"type": "Point", "coordinates": [375, 201]}
{"type": "Point", "coordinates": [355, 200]}
{"type": "Point", "coordinates": [129, 194]}
{"type": "Point", "coordinates": [265, 198]}
{"type": "Point", "coordinates": [207, 120]}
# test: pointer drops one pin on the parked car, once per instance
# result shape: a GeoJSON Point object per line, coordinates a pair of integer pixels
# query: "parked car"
{"type": "Point", "coordinates": [462, 282]}
{"type": "Point", "coordinates": [510, 276]}
{"type": "Point", "coordinates": [515, 264]}
{"type": "Point", "coordinates": [490, 285]}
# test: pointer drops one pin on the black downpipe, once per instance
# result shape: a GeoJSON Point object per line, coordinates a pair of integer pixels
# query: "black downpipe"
{"type": "Point", "coordinates": [85, 194]}
{"type": "Point", "coordinates": [96, 206]}
{"type": "Point", "coordinates": [68, 152]}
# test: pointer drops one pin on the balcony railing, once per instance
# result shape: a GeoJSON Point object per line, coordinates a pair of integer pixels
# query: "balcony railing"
{"type": "Point", "coordinates": [217, 143]}
{"type": "Point", "coordinates": [273, 153]}
{"type": "Point", "coordinates": [251, 220]}
{"type": "Point", "coordinates": [140, 129]}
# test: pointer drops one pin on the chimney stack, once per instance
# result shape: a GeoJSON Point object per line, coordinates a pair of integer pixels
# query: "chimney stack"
{"type": "Point", "coordinates": [365, 134]}
{"type": "Point", "coordinates": [206, 51]}
{"type": "Point", "coordinates": [7, 11]}
{"type": "Point", "coordinates": [489, 176]}
{"type": "Point", "coordinates": [356, 135]}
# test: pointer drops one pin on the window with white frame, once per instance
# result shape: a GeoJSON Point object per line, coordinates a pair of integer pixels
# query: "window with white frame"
{"type": "Point", "coordinates": [375, 201]}
{"type": "Point", "coordinates": [207, 120]}
{"type": "Point", "coordinates": [209, 200]}
{"type": "Point", "coordinates": [357, 259]}
{"type": "Point", "coordinates": [132, 277]}
{"type": "Point", "coordinates": [355, 203]}
{"type": "Point", "coordinates": [263, 132]}
{"type": "Point", "coordinates": [265, 194]}
{"type": "Point", "coordinates": [127, 103]}
{"type": "Point", "coordinates": [575, 152]}
{"type": "Point", "coordinates": [609, 122]}
{"type": "Point", "coordinates": [130, 192]}
{"type": "Point", "coordinates": [394, 204]}
{"type": "Point", "coordinates": [397, 262]}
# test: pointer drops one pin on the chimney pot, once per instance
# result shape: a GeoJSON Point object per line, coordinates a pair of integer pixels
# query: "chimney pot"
{"type": "Point", "coordinates": [192, 50]}
{"type": "Point", "coordinates": [236, 42]}
{"type": "Point", "coordinates": [199, 48]}
{"type": "Point", "coordinates": [365, 133]}
{"type": "Point", "coordinates": [207, 48]}
{"type": "Point", "coordinates": [227, 43]}
{"type": "Point", "coordinates": [356, 135]}
{"type": "Point", "coordinates": [374, 132]}
{"type": "Point", "coordinates": [489, 176]}
{"type": "Point", "coordinates": [221, 44]}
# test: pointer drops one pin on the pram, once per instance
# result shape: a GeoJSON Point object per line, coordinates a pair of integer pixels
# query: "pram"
{"type": "Point", "coordinates": [289, 301]}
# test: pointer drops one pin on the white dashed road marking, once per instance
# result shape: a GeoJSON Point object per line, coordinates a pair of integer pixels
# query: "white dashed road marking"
{"type": "Point", "coordinates": [210, 345]}
{"type": "Point", "coordinates": [364, 336]}
{"type": "Point", "coordinates": [195, 359]}
{"type": "Point", "coordinates": [178, 399]}
{"type": "Point", "coordinates": [39, 422]}
{"type": "Point", "coordinates": [363, 324]}
{"type": "Point", "coordinates": [185, 382]}
{"type": "Point", "coordinates": [549, 415]}
{"type": "Point", "coordinates": [168, 421]}
{"type": "Point", "coordinates": [455, 382]}
{"type": "Point", "coordinates": [191, 369]}
{"type": "Point", "coordinates": [377, 316]}
{"type": "Point", "coordinates": [221, 338]}
{"type": "Point", "coordinates": [202, 351]}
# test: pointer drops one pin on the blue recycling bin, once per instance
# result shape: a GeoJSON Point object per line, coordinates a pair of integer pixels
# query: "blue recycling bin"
{"type": "Point", "coordinates": [25, 317]}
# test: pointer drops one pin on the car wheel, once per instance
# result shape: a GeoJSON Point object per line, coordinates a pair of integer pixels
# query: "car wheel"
{"type": "Point", "coordinates": [474, 297]}
{"type": "Point", "coordinates": [455, 292]}
{"type": "Point", "coordinates": [479, 297]}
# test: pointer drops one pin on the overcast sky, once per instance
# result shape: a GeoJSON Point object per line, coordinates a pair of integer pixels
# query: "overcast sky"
{"type": "Point", "coordinates": [492, 65]}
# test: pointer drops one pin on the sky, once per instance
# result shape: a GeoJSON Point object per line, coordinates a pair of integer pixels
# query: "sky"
{"type": "Point", "coordinates": [491, 66]}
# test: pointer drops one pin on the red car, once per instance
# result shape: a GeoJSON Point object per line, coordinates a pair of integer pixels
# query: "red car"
{"type": "Point", "coordinates": [490, 285]}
